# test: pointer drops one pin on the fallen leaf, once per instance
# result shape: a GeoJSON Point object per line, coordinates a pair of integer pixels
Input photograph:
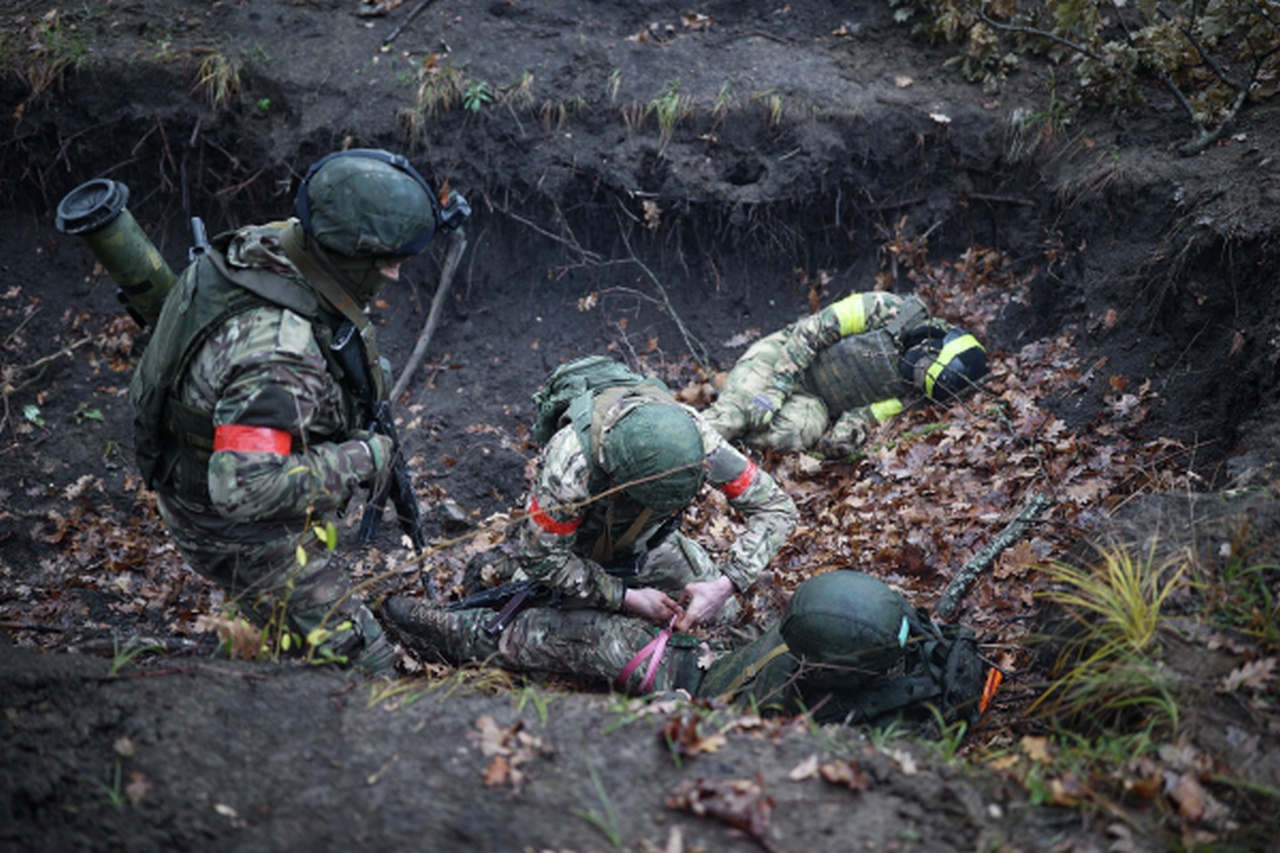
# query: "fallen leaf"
{"type": "Point", "coordinates": [846, 773]}
{"type": "Point", "coordinates": [137, 787]}
{"type": "Point", "coordinates": [1255, 675]}
{"type": "Point", "coordinates": [906, 762]}
{"type": "Point", "coordinates": [1036, 748]}
{"type": "Point", "coordinates": [498, 772]}
{"type": "Point", "coordinates": [806, 769]}
{"type": "Point", "coordinates": [741, 803]}
{"type": "Point", "coordinates": [1189, 794]}
{"type": "Point", "coordinates": [1069, 790]}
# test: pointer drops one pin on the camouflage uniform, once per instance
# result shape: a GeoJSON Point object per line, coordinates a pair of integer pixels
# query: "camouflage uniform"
{"type": "Point", "coordinates": [266, 367]}
{"type": "Point", "coordinates": [565, 540]}
{"type": "Point", "coordinates": [584, 643]}
{"type": "Point", "coordinates": [825, 380]}
{"type": "Point", "coordinates": [848, 649]}
{"type": "Point", "coordinates": [586, 548]}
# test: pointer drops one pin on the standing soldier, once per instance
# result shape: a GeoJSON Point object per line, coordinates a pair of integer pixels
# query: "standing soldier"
{"type": "Point", "coordinates": [602, 530]}
{"type": "Point", "coordinates": [246, 422]}
{"type": "Point", "coordinates": [827, 379]}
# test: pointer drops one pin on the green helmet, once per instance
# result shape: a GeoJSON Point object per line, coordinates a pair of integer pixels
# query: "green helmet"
{"type": "Point", "coordinates": [851, 622]}
{"type": "Point", "coordinates": [655, 452]}
{"type": "Point", "coordinates": [367, 203]}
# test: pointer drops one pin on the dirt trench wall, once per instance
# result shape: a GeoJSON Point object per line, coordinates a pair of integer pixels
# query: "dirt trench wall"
{"type": "Point", "coordinates": [734, 214]}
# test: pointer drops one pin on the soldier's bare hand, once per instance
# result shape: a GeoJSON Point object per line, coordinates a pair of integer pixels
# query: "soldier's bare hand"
{"type": "Point", "coordinates": [702, 601]}
{"type": "Point", "coordinates": [652, 604]}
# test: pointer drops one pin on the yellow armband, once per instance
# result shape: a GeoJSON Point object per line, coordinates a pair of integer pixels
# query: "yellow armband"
{"type": "Point", "coordinates": [852, 314]}
{"type": "Point", "coordinates": [885, 409]}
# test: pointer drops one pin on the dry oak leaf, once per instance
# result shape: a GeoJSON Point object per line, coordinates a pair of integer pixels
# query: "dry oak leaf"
{"type": "Point", "coordinates": [1036, 748]}
{"type": "Point", "coordinates": [1255, 675]}
{"type": "Point", "coordinates": [1016, 562]}
{"type": "Point", "coordinates": [509, 747]}
{"type": "Point", "coordinates": [1069, 790]}
{"type": "Point", "coordinates": [741, 803]}
{"type": "Point", "coordinates": [684, 734]}
{"type": "Point", "coordinates": [806, 769]}
{"type": "Point", "coordinates": [242, 640]}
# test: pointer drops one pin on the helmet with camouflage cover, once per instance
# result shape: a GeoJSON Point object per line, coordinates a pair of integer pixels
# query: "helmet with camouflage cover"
{"type": "Point", "coordinates": [850, 624]}
{"type": "Point", "coordinates": [655, 453]}
{"type": "Point", "coordinates": [367, 203]}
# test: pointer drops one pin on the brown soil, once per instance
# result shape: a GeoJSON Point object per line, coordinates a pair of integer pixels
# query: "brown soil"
{"type": "Point", "coordinates": [842, 132]}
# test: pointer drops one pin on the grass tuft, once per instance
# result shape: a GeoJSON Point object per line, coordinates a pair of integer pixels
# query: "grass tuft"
{"type": "Point", "coordinates": [1109, 671]}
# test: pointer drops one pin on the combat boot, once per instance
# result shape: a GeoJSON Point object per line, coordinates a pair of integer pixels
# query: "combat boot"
{"type": "Point", "coordinates": [439, 635]}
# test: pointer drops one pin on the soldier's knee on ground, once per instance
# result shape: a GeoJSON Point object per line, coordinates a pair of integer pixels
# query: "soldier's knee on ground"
{"type": "Point", "coordinates": [726, 419]}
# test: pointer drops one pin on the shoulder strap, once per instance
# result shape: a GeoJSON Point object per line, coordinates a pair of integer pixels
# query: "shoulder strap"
{"type": "Point", "coordinates": [269, 286]}
{"type": "Point", "coordinates": [751, 670]}
{"type": "Point", "coordinates": [326, 285]}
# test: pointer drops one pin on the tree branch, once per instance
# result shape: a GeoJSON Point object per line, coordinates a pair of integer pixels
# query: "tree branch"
{"type": "Point", "coordinates": [1032, 31]}
{"type": "Point", "coordinates": [456, 247]}
{"type": "Point", "coordinates": [1036, 504]}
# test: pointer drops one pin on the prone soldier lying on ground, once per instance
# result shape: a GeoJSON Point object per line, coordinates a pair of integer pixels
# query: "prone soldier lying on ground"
{"type": "Point", "coordinates": [827, 379]}
{"type": "Point", "coordinates": [847, 649]}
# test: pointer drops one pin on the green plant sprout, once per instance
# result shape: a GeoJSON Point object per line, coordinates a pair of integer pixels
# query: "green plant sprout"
{"type": "Point", "coordinates": [477, 96]}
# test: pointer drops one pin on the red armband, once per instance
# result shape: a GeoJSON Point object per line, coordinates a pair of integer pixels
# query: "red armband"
{"type": "Point", "coordinates": [251, 439]}
{"type": "Point", "coordinates": [549, 524]}
{"type": "Point", "coordinates": [739, 484]}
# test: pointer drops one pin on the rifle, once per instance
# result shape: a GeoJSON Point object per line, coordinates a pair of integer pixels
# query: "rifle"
{"type": "Point", "coordinates": [512, 597]}
{"type": "Point", "coordinates": [349, 352]}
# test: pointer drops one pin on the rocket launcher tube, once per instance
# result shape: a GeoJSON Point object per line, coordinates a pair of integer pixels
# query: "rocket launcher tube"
{"type": "Point", "coordinates": [96, 212]}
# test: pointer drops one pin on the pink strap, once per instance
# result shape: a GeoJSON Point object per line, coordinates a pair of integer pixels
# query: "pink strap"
{"type": "Point", "coordinates": [653, 651]}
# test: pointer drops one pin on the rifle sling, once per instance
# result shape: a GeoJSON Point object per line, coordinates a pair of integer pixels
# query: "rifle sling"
{"type": "Point", "coordinates": [513, 605]}
{"type": "Point", "coordinates": [325, 283]}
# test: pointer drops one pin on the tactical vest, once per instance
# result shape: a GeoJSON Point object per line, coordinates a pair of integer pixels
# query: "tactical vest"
{"type": "Point", "coordinates": [862, 368]}
{"type": "Point", "coordinates": [172, 440]}
{"type": "Point", "coordinates": [855, 371]}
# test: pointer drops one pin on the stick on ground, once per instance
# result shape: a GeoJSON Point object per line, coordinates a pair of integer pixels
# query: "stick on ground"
{"type": "Point", "coordinates": [456, 248]}
{"type": "Point", "coordinates": [1030, 513]}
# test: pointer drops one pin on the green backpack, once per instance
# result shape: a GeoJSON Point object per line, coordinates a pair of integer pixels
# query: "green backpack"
{"type": "Point", "coordinates": [851, 650]}
{"type": "Point", "coordinates": [572, 381]}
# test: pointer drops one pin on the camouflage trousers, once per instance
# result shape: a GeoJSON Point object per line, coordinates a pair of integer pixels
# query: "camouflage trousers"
{"type": "Point", "coordinates": [583, 643]}
{"type": "Point", "coordinates": [669, 566]}
{"type": "Point", "coordinates": [267, 584]}
{"type": "Point", "coordinates": [800, 419]}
